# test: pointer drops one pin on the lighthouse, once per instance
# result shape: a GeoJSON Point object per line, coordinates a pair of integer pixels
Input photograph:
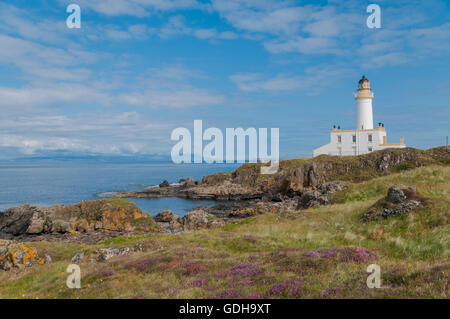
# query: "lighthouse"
{"type": "Point", "coordinates": [364, 139]}
{"type": "Point", "coordinates": [364, 97]}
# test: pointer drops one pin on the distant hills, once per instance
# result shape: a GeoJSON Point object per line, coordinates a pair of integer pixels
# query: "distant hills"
{"type": "Point", "coordinates": [62, 156]}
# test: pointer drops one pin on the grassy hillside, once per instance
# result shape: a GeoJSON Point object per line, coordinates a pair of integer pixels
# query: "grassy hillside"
{"type": "Point", "coordinates": [319, 252]}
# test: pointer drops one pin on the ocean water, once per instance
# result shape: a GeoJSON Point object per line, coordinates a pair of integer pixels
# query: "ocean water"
{"type": "Point", "coordinates": [47, 183]}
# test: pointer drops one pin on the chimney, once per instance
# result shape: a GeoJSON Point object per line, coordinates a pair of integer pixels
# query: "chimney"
{"type": "Point", "coordinates": [402, 140]}
{"type": "Point", "coordinates": [384, 140]}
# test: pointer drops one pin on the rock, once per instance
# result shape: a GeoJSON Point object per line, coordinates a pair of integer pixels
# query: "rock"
{"type": "Point", "coordinates": [164, 184]}
{"type": "Point", "coordinates": [295, 177]}
{"type": "Point", "coordinates": [199, 219]}
{"type": "Point", "coordinates": [397, 210]}
{"type": "Point", "coordinates": [61, 226]}
{"type": "Point", "coordinates": [18, 256]}
{"type": "Point", "coordinates": [331, 187]}
{"type": "Point", "coordinates": [108, 253]}
{"type": "Point", "coordinates": [77, 258]}
{"type": "Point", "coordinates": [47, 259]}
{"type": "Point", "coordinates": [400, 200]}
{"type": "Point", "coordinates": [96, 220]}
{"type": "Point", "coordinates": [399, 193]}
{"type": "Point", "coordinates": [312, 199]}
{"type": "Point", "coordinates": [189, 181]}
{"type": "Point", "coordinates": [395, 195]}
{"type": "Point", "coordinates": [165, 217]}
{"type": "Point", "coordinates": [216, 179]}
{"type": "Point", "coordinates": [170, 222]}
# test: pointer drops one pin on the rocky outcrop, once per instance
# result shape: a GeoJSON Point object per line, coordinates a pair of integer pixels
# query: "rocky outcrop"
{"type": "Point", "coordinates": [322, 196]}
{"type": "Point", "coordinates": [295, 177]}
{"type": "Point", "coordinates": [312, 199]}
{"type": "Point", "coordinates": [400, 200]}
{"type": "Point", "coordinates": [170, 222]}
{"type": "Point", "coordinates": [105, 254]}
{"type": "Point", "coordinates": [194, 220]}
{"type": "Point", "coordinates": [86, 221]}
{"type": "Point", "coordinates": [164, 184]}
{"type": "Point", "coordinates": [18, 256]}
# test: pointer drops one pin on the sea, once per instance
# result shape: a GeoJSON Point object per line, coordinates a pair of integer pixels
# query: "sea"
{"type": "Point", "coordinates": [46, 183]}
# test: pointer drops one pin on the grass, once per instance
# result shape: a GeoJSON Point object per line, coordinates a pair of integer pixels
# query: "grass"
{"type": "Point", "coordinates": [315, 253]}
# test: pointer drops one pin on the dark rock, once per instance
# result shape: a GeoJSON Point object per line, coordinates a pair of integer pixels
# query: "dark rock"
{"type": "Point", "coordinates": [164, 184]}
{"type": "Point", "coordinates": [400, 200]}
{"type": "Point", "coordinates": [312, 199]}
{"type": "Point", "coordinates": [331, 187]}
{"type": "Point", "coordinates": [165, 217]}
{"type": "Point", "coordinates": [395, 195]}
{"type": "Point", "coordinates": [397, 210]}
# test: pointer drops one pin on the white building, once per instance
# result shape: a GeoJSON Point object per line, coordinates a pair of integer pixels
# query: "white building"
{"type": "Point", "coordinates": [364, 139]}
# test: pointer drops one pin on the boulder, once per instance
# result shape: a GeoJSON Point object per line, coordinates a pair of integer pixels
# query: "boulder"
{"type": "Point", "coordinates": [400, 200]}
{"type": "Point", "coordinates": [395, 195]}
{"type": "Point", "coordinates": [189, 181]}
{"type": "Point", "coordinates": [105, 254]}
{"type": "Point", "coordinates": [164, 184]}
{"type": "Point", "coordinates": [312, 199]}
{"type": "Point", "coordinates": [199, 219]}
{"type": "Point", "coordinates": [168, 221]}
{"type": "Point", "coordinates": [18, 256]}
{"type": "Point", "coordinates": [165, 217]}
{"type": "Point", "coordinates": [331, 187]}
{"type": "Point", "coordinates": [77, 258]}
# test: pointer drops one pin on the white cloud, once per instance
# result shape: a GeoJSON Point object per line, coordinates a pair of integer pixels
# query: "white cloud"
{"type": "Point", "coordinates": [176, 25]}
{"type": "Point", "coordinates": [308, 45]}
{"type": "Point", "coordinates": [185, 98]}
{"type": "Point", "coordinates": [122, 133]}
{"type": "Point", "coordinates": [312, 81]}
{"type": "Point", "coordinates": [138, 8]}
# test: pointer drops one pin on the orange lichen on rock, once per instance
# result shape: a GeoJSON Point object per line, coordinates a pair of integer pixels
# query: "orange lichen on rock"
{"type": "Point", "coordinates": [18, 256]}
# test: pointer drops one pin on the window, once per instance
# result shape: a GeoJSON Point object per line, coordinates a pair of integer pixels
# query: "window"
{"type": "Point", "coordinates": [354, 138]}
{"type": "Point", "coordinates": [339, 139]}
{"type": "Point", "coordinates": [370, 149]}
{"type": "Point", "coordinates": [370, 137]}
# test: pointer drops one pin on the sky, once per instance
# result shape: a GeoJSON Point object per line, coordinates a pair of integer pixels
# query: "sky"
{"type": "Point", "coordinates": [138, 69]}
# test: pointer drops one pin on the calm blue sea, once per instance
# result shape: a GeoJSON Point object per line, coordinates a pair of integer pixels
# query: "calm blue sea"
{"type": "Point", "coordinates": [49, 183]}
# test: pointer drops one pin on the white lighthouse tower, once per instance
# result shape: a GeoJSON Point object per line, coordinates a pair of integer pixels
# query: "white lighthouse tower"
{"type": "Point", "coordinates": [364, 115]}
{"type": "Point", "coordinates": [364, 139]}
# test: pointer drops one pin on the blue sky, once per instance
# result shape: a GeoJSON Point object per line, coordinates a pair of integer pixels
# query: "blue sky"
{"type": "Point", "coordinates": [138, 69]}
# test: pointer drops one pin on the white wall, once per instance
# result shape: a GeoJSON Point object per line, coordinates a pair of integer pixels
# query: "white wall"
{"type": "Point", "coordinates": [348, 147]}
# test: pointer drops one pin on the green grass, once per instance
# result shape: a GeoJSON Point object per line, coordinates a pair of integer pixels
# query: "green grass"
{"type": "Point", "coordinates": [272, 250]}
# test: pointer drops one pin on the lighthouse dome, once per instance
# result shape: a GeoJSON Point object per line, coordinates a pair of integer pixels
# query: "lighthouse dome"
{"type": "Point", "coordinates": [364, 83]}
